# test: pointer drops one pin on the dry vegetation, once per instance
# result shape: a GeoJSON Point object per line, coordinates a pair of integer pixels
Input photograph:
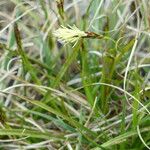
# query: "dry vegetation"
{"type": "Point", "coordinates": [74, 74]}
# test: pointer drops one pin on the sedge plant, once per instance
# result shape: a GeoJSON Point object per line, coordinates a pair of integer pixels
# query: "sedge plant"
{"type": "Point", "coordinates": [74, 74]}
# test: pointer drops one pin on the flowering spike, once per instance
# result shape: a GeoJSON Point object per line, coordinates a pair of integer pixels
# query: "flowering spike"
{"type": "Point", "coordinates": [69, 34]}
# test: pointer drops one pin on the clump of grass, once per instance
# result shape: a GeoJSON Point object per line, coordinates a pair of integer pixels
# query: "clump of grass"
{"type": "Point", "coordinates": [74, 75]}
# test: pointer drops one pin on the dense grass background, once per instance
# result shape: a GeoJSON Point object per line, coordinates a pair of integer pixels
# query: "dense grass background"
{"type": "Point", "coordinates": [91, 95]}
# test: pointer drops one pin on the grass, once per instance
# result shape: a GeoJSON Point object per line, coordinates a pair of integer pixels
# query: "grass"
{"type": "Point", "coordinates": [74, 74]}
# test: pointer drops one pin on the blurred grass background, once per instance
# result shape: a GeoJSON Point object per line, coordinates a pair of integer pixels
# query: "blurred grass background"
{"type": "Point", "coordinates": [94, 95]}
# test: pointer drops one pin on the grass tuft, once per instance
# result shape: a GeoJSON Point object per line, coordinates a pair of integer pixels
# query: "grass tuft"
{"type": "Point", "coordinates": [75, 74]}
